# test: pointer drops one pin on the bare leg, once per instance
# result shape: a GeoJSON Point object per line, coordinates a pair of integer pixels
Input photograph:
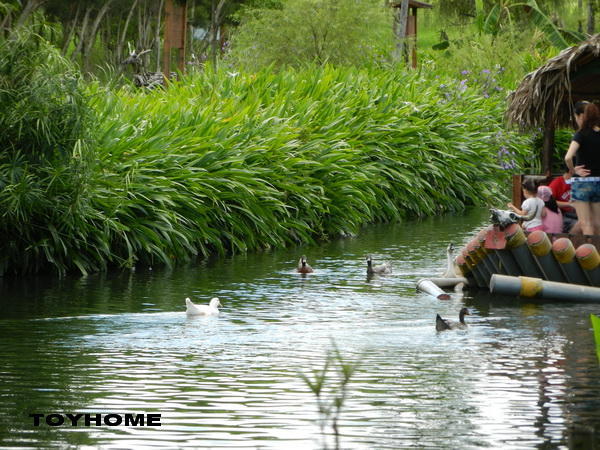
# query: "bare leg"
{"type": "Point", "coordinates": [584, 214]}
{"type": "Point", "coordinates": [595, 208]}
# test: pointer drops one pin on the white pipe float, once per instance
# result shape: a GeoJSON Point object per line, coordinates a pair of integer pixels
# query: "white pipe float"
{"type": "Point", "coordinates": [429, 287]}
{"type": "Point", "coordinates": [448, 282]}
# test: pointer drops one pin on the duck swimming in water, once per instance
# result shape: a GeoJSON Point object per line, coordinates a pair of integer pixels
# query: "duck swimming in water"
{"type": "Point", "coordinates": [445, 324]}
{"type": "Point", "coordinates": [303, 266]}
{"type": "Point", "coordinates": [212, 309]}
{"type": "Point", "coordinates": [379, 269]}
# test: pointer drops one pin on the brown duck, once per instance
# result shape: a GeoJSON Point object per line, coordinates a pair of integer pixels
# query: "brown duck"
{"type": "Point", "coordinates": [303, 266]}
{"type": "Point", "coordinates": [446, 324]}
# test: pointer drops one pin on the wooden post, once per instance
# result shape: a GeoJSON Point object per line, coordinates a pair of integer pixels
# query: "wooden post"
{"type": "Point", "coordinates": [411, 34]}
{"type": "Point", "coordinates": [175, 35]}
{"type": "Point", "coordinates": [548, 148]}
{"type": "Point", "coordinates": [405, 30]}
{"type": "Point", "coordinates": [517, 194]}
{"type": "Point", "coordinates": [401, 31]}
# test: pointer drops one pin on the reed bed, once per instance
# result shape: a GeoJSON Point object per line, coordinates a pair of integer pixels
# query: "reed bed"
{"type": "Point", "coordinates": [233, 162]}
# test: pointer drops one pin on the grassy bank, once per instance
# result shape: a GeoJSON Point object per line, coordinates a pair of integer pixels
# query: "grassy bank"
{"type": "Point", "coordinates": [233, 162]}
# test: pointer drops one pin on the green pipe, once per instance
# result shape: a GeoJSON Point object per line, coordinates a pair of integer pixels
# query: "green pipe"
{"type": "Point", "coordinates": [529, 287]}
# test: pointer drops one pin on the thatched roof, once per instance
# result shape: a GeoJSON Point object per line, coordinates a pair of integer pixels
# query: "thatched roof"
{"type": "Point", "coordinates": [552, 89]}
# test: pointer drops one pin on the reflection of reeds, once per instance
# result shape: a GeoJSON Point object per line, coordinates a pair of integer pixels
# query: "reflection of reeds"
{"type": "Point", "coordinates": [331, 394]}
{"type": "Point", "coordinates": [234, 162]}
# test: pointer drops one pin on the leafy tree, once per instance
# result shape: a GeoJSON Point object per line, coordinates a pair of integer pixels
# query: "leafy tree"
{"type": "Point", "coordinates": [302, 31]}
{"type": "Point", "coordinates": [505, 12]}
{"type": "Point", "coordinates": [44, 109]}
{"type": "Point", "coordinates": [466, 10]}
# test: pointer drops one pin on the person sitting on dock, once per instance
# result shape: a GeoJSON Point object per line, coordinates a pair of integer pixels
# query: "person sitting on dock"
{"type": "Point", "coordinates": [531, 209]}
{"type": "Point", "coordinates": [583, 160]}
{"type": "Point", "coordinates": [552, 219]}
{"type": "Point", "coordinates": [561, 191]}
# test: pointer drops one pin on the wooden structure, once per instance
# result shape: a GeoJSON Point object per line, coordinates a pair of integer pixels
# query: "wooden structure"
{"type": "Point", "coordinates": [175, 35]}
{"type": "Point", "coordinates": [545, 98]}
{"type": "Point", "coordinates": [507, 260]}
{"type": "Point", "coordinates": [510, 261]}
{"type": "Point", "coordinates": [411, 25]}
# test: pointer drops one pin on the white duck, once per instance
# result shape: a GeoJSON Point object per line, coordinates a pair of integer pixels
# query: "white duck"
{"type": "Point", "coordinates": [212, 309]}
{"type": "Point", "coordinates": [450, 271]}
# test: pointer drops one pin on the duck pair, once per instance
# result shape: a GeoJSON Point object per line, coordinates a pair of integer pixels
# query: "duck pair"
{"type": "Point", "coordinates": [212, 309]}
{"type": "Point", "coordinates": [380, 269]}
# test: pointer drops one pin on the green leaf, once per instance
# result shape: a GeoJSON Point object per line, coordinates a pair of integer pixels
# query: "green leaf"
{"type": "Point", "coordinates": [596, 326]}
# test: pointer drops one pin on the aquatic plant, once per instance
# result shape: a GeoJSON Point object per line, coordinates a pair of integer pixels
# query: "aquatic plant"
{"type": "Point", "coordinates": [331, 394]}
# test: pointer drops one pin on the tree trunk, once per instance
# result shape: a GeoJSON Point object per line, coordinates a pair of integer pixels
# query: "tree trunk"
{"type": "Point", "coordinates": [91, 38]}
{"type": "Point", "coordinates": [144, 26]}
{"type": "Point", "coordinates": [6, 23]}
{"type": "Point", "coordinates": [212, 32]}
{"type": "Point", "coordinates": [591, 19]}
{"type": "Point", "coordinates": [71, 25]}
{"type": "Point", "coordinates": [121, 41]}
{"type": "Point", "coordinates": [402, 17]}
{"type": "Point", "coordinates": [82, 33]}
{"type": "Point", "coordinates": [30, 7]}
{"type": "Point", "coordinates": [157, 39]}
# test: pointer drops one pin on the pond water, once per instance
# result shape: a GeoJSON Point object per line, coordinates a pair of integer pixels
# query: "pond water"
{"type": "Point", "coordinates": [524, 376]}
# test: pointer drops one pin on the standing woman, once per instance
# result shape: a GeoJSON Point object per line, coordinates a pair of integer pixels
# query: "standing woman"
{"type": "Point", "coordinates": [585, 184]}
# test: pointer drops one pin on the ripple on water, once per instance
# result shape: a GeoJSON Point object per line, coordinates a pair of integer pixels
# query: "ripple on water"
{"type": "Point", "coordinates": [520, 377]}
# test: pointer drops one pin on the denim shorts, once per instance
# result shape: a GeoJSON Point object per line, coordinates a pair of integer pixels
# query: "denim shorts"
{"type": "Point", "coordinates": [585, 191]}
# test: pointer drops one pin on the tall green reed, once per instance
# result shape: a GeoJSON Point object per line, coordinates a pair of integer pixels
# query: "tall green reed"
{"type": "Point", "coordinates": [46, 161]}
{"type": "Point", "coordinates": [330, 388]}
{"type": "Point", "coordinates": [232, 162]}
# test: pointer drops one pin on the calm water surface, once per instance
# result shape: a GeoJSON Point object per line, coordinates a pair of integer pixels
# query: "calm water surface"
{"type": "Point", "coordinates": [525, 375]}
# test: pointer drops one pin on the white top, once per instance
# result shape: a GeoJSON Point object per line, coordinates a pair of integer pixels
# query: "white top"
{"type": "Point", "coordinates": [529, 205]}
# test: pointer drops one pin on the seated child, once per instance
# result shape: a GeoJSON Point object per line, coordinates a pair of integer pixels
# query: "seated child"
{"type": "Point", "coordinates": [561, 191]}
{"type": "Point", "coordinates": [552, 220]}
{"type": "Point", "coordinates": [531, 209]}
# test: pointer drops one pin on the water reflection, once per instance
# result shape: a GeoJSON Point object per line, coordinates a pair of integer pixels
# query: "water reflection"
{"type": "Point", "coordinates": [522, 377]}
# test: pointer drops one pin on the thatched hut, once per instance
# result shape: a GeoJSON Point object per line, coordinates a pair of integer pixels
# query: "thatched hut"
{"type": "Point", "coordinates": [545, 97]}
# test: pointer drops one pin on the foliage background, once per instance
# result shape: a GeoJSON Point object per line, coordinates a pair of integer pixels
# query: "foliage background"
{"type": "Point", "coordinates": [255, 153]}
